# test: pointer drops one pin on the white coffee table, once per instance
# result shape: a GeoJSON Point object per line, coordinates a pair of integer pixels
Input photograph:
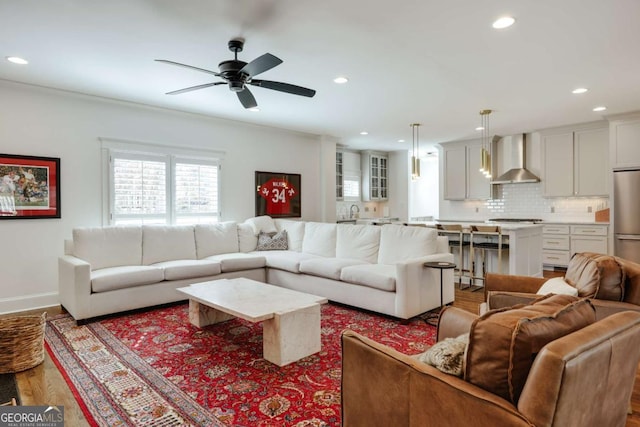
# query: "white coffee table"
{"type": "Point", "coordinates": [291, 319]}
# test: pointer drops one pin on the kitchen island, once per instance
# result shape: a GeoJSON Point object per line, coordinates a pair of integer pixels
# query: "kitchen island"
{"type": "Point", "coordinates": [524, 256]}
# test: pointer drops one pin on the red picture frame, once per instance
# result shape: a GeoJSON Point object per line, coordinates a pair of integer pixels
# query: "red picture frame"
{"type": "Point", "coordinates": [29, 187]}
{"type": "Point", "coordinates": [278, 194]}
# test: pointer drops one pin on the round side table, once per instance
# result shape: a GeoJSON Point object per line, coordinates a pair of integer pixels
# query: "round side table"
{"type": "Point", "coordinates": [432, 318]}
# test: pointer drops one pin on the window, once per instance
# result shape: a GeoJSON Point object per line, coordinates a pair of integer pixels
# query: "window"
{"type": "Point", "coordinates": [162, 188]}
{"type": "Point", "coordinates": [351, 187]}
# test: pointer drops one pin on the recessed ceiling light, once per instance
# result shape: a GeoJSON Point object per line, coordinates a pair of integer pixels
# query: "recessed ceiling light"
{"type": "Point", "coordinates": [601, 108]}
{"type": "Point", "coordinates": [504, 22]}
{"type": "Point", "coordinates": [364, 132]}
{"type": "Point", "coordinates": [480, 128]}
{"type": "Point", "coordinates": [17, 60]}
{"type": "Point", "coordinates": [401, 140]}
{"type": "Point", "coordinates": [340, 80]}
{"type": "Point", "coordinates": [580, 90]}
{"type": "Point", "coordinates": [254, 109]}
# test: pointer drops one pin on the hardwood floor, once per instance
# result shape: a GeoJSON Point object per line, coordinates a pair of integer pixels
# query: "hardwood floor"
{"type": "Point", "coordinates": [44, 384]}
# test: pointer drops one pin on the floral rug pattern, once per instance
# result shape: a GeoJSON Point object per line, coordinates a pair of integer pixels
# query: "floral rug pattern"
{"type": "Point", "coordinates": [154, 368]}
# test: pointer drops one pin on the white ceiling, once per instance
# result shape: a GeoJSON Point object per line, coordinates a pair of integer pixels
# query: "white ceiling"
{"type": "Point", "coordinates": [433, 62]}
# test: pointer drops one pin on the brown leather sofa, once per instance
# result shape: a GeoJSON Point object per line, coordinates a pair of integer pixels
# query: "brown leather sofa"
{"type": "Point", "coordinates": [612, 284]}
{"type": "Point", "coordinates": [582, 379]}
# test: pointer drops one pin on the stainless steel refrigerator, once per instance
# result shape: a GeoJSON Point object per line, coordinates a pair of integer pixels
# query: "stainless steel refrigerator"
{"type": "Point", "coordinates": [626, 214]}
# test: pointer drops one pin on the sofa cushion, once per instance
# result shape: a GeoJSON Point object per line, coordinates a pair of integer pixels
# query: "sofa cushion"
{"type": "Point", "coordinates": [247, 241]}
{"type": "Point", "coordinates": [272, 241]}
{"type": "Point", "coordinates": [503, 343]}
{"type": "Point", "coordinates": [399, 243]}
{"type": "Point", "coordinates": [379, 276]}
{"type": "Point", "coordinates": [327, 267]}
{"type": "Point", "coordinates": [319, 239]}
{"type": "Point", "coordinates": [284, 260]}
{"type": "Point", "coordinates": [214, 239]}
{"type": "Point", "coordinates": [557, 285]}
{"type": "Point", "coordinates": [596, 276]}
{"type": "Point", "coordinates": [112, 278]}
{"type": "Point", "coordinates": [262, 223]}
{"type": "Point", "coordinates": [295, 232]}
{"type": "Point", "coordinates": [167, 243]}
{"type": "Point", "coordinates": [239, 261]}
{"type": "Point", "coordinates": [189, 268]}
{"type": "Point", "coordinates": [104, 247]}
{"type": "Point", "coordinates": [358, 241]}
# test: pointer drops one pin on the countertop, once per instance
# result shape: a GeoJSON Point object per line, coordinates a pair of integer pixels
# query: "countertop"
{"type": "Point", "coordinates": [505, 226]}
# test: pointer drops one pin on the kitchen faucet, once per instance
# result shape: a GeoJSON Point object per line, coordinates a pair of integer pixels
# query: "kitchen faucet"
{"type": "Point", "coordinates": [351, 210]}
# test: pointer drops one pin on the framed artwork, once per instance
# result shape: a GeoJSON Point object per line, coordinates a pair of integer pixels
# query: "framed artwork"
{"type": "Point", "coordinates": [29, 187]}
{"type": "Point", "coordinates": [278, 195]}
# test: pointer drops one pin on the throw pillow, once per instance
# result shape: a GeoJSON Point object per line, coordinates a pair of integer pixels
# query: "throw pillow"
{"type": "Point", "coordinates": [262, 223]}
{"type": "Point", "coordinates": [447, 355]}
{"type": "Point", "coordinates": [272, 241]}
{"type": "Point", "coordinates": [557, 285]}
{"type": "Point", "coordinates": [504, 343]}
{"type": "Point", "coordinates": [596, 276]}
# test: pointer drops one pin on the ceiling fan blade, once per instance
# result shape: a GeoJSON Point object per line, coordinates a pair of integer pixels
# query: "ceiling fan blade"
{"type": "Point", "coordinates": [188, 66]}
{"type": "Point", "coordinates": [284, 87]}
{"type": "Point", "coordinates": [246, 98]}
{"type": "Point", "coordinates": [261, 64]}
{"type": "Point", "coordinates": [189, 89]}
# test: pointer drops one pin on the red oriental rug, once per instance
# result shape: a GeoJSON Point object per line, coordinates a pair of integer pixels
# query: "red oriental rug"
{"type": "Point", "coordinates": [154, 368]}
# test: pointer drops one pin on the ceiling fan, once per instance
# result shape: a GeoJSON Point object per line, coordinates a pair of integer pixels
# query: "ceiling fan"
{"type": "Point", "coordinates": [238, 74]}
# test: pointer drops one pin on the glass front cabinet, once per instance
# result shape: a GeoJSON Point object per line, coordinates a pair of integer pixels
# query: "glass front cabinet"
{"type": "Point", "coordinates": [375, 180]}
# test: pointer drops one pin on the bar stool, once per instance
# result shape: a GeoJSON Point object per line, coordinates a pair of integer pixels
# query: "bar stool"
{"type": "Point", "coordinates": [486, 231]}
{"type": "Point", "coordinates": [456, 241]}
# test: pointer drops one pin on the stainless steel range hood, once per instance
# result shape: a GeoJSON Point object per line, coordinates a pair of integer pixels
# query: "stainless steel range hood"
{"type": "Point", "coordinates": [512, 153]}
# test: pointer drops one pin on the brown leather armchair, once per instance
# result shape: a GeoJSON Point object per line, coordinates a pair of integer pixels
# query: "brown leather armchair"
{"type": "Point", "coordinates": [598, 271]}
{"type": "Point", "coordinates": [582, 379]}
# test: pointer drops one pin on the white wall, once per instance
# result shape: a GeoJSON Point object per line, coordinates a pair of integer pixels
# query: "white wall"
{"type": "Point", "coordinates": [399, 184]}
{"type": "Point", "coordinates": [424, 194]}
{"type": "Point", "coordinates": [45, 122]}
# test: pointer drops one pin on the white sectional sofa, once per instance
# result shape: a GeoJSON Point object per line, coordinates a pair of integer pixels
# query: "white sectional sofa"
{"type": "Point", "coordinates": [107, 270]}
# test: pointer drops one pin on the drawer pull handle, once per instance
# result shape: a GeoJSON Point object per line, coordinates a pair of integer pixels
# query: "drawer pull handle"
{"type": "Point", "coordinates": [553, 257]}
{"type": "Point", "coordinates": [588, 231]}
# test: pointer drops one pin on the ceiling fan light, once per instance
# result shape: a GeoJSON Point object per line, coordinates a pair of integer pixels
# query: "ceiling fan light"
{"type": "Point", "coordinates": [579, 90]}
{"type": "Point", "coordinates": [503, 22]}
{"type": "Point", "coordinates": [17, 60]}
{"type": "Point", "coordinates": [340, 80]}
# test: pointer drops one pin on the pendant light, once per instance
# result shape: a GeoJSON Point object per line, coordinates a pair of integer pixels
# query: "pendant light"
{"type": "Point", "coordinates": [415, 151]}
{"type": "Point", "coordinates": [485, 151]}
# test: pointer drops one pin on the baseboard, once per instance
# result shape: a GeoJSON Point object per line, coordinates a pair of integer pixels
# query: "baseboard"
{"type": "Point", "coordinates": [28, 302]}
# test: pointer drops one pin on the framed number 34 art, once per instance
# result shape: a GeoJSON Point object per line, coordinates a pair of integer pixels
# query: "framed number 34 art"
{"type": "Point", "coordinates": [278, 195]}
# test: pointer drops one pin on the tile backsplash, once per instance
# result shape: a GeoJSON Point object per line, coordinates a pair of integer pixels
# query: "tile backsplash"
{"type": "Point", "coordinates": [526, 201]}
{"type": "Point", "coordinates": [365, 209]}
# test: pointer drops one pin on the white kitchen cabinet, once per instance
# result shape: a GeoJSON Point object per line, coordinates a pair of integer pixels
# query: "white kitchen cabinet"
{"type": "Point", "coordinates": [589, 238]}
{"type": "Point", "coordinates": [375, 176]}
{"type": "Point", "coordinates": [575, 162]}
{"type": "Point", "coordinates": [624, 132]}
{"type": "Point", "coordinates": [556, 245]}
{"type": "Point", "coordinates": [561, 241]}
{"type": "Point", "coordinates": [455, 177]}
{"type": "Point", "coordinates": [478, 185]}
{"type": "Point", "coordinates": [462, 178]}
